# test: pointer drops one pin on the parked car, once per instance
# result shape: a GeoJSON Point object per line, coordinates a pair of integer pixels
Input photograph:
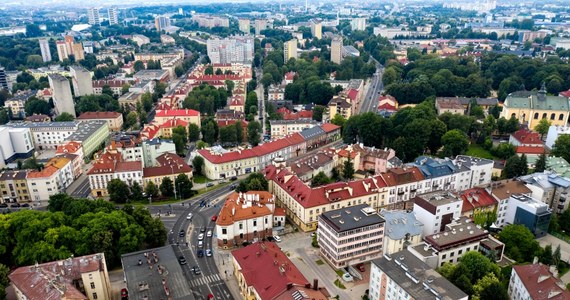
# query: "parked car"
{"type": "Point", "coordinates": [208, 252]}
{"type": "Point", "coordinates": [209, 184]}
{"type": "Point", "coordinates": [234, 178]}
{"type": "Point", "coordinates": [196, 270]}
{"type": "Point", "coordinates": [182, 260]}
{"type": "Point", "coordinates": [347, 277]}
{"type": "Point", "coordinates": [189, 216]}
{"type": "Point", "coordinates": [277, 238]}
{"type": "Point", "coordinates": [200, 253]}
{"type": "Point", "coordinates": [15, 205]}
{"type": "Point", "coordinates": [3, 205]}
{"type": "Point", "coordinates": [361, 267]}
{"type": "Point", "coordinates": [124, 294]}
{"type": "Point", "coordinates": [202, 229]}
{"type": "Point", "coordinates": [25, 205]}
{"type": "Point", "coordinates": [214, 218]}
{"type": "Point", "coordinates": [209, 234]}
{"type": "Point", "coordinates": [200, 236]}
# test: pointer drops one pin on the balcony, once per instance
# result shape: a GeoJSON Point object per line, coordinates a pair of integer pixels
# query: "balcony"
{"type": "Point", "coordinates": [401, 192]}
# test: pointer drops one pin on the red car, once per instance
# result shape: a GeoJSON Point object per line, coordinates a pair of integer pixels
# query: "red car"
{"type": "Point", "coordinates": [361, 268]}
{"type": "Point", "coordinates": [214, 218]}
{"type": "Point", "coordinates": [124, 294]}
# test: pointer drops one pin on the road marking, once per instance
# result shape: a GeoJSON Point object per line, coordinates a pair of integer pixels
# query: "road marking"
{"type": "Point", "coordinates": [205, 280]}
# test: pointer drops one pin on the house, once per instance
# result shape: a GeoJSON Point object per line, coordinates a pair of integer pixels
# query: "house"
{"type": "Point", "coordinates": [281, 128]}
{"type": "Point", "coordinates": [341, 105]}
{"type": "Point", "coordinates": [370, 159]}
{"type": "Point", "coordinates": [187, 115]}
{"type": "Point", "coordinates": [449, 104]}
{"type": "Point", "coordinates": [105, 170]}
{"type": "Point", "coordinates": [401, 229]}
{"type": "Point", "coordinates": [527, 142]}
{"type": "Point", "coordinates": [404, 276]}
{"type": "Point", "coordinates": [536, 281]}
{"type": "Point", "coordinates": [14, 187]}
{"type": "Point", "coordinates": [264, 272]}
{"type": "Point", "coordinates": [168, 165]}
{"type": "Point", "coordinates": [246, 217]}
{"type": "Point", "coordinates": [276, 92]}
{"type": "Point", "coordinates": [83, 277]}
{"type": "Point", "coordinates": [308, 167]}
{"type": "Point", "coordinates": [403, 185]}
{"type": "Point", "coordinates": [350, 235]}
{"type": "Point", "coordinates": [387, 105]}
{"type": "Point", "coordinates": [437, 209]}
{"type": "Point", "coordinates": [477, 200]}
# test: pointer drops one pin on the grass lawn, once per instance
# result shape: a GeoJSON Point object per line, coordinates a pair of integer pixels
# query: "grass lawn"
{"type": "Point", "coordinates": [200, 179]}
{"type": "Point", "coordinates": [339, 273]}
{"type": "Point", "coordinates": [320, 262]}
{"type": "Point", "coordinates": [339, 284]}
{"type": "Point", "coordinates": [478, 151]}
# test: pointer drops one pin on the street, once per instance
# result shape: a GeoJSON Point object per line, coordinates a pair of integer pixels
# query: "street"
{"type": "Point", "coordinates": [375, 88]}
{"type": "Point", "coordinates": [261, 104]}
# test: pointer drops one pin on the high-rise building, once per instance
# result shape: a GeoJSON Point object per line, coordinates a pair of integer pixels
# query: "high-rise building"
{"type": "Point", "coordinates": [78, 51]}
{"type": "Point", "coordinates": [180, 11]}
{"type": "Point", "coordinates": [161, 22]}
{"type": "Point", "coordinates": [113, 16]}
{"type": "Point", "coordinates": [62, 98]}
{"type": "Point", "coordinates": [260, 24]}
{"type": "Point", "coordinates": [62, 52]}
{"type": "Point", "coordinates": [69, 41]}
{"type": "Point", "coordinates": [244, 25]}
{"type": "Point", "coordinates": [336, 50]}
{"type": "Point", "coordinates": [44, 48]}
{"type": "Point", "coordinates": [290, 49]}
{"type": "Point", "coordinates": [81, 81]}
{"type": "Point", "coordinates": [3, 79]}
{"type": "Point", "coordinates": [316, 29]}
{"type": "Point", "coordinates": [358, 24]}
{"type": "Point", "coordinates": [93, 16]}
{"type": "Point", "coordinates": [231, 50]}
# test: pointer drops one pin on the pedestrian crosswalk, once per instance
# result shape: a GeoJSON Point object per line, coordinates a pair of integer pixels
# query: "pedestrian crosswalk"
{"type": "Point", "coordinates": [203, 280]}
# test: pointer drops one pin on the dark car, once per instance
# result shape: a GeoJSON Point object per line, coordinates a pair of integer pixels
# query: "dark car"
{"type": "Point", "coordinates": [200, 253]}
{"type": "Point", "coordinates": [181, 233]}
{"type": "Point", "coordinates": [361, 268]}
{"type": "Point", "coordinates": [25, 205]}
{"type": "Point", "coordinates": [15, 205]}
{"type": "Point", "coordinates": [3, 205]}
{"type": "Point", "coordinates": [182, 260]}
{"type": "Point", "coordinates": [234, 178]}
{"type": "Point", "coordinates": [196, 270]}
{"type": "Point", "coordinates": [209, 184]}
{"type": "Point", "coordinates": [202, 229]}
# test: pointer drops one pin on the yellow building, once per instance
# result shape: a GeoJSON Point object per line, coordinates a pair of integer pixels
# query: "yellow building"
{"type": "Point", "coordinates": [168, 165]}
{"type": "Point", "coordinates": [340, 105]}
{"type": "Point", "coordinates": [290, 50]}
{"type": "Point", "coordinates": [13, 186]}
{"type": "Point", "coordinates": [530, 107]}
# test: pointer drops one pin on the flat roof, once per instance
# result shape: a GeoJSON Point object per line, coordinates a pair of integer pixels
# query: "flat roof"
{"type": "Point", "coordinates": [457, 233]}
{"type": "Point", "coordinates": [351, 217]}
{"type": "Point", "coordinates": [143, 281]}
{"type": "Point", "coordinates": [86, 129]}
{"type": "Point", "coordinates": [399, 223]}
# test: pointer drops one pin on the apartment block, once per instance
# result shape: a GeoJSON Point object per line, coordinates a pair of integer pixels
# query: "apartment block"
{"type": "Point", "coordinates": [536, 281]}
{"type": "Point", "coordinates": [93, 16]}
{"type": "Point", "coordinates": [244, 25]}
{"type": "Point", "coordinates": [281, 128]}
{"type": "Point", "coordinates": [62, 98]}
{"type": "Point", "coordinates": [401, 230]}
{"type": "Point", "coordinates": [316, 28]}
{"type": "Point", "coordinates": [502, 191]}
{"type": "Point", "coordinates": [230, 50]}
{"type": "Point", "coordinates": [290, 49]}
{"type": "Point", "coordinates": [336, 49]}
{"type": "Point", "coordinates": [14, 187]}
{"type": "Point", "coordinates": [533, 214]}
{"type": "Point", "coordinates": [437, 209]}
{"type": "Point", "coordinates": [15, 143]}
{"type": "Point", "coordinates": [45, 50]}
{"type": "Point", "coordinates": [81, 81]}
{"type": "Point", "coordinates": [104, 171]}
{"type": "Point", "coordinates": [113, 16]}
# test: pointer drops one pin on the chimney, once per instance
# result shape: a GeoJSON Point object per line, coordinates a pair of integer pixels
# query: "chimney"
{"type": "Point", "coordinates": [315, 284]}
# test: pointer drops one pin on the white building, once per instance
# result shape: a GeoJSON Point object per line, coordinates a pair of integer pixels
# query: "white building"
{"type": "Point", "coordinates": [358, 24]}
{"type": "Point", "coordinates": [231, 50]}
{"type": "Point", "coordinates": [437, 209]}
{"type": "Point", "coordinates": [244, 25]}
{"type": "Point", "coordinates": [350, 235]}
{"type": "Point", "coordinates": [402, 229]}
{"type": "Point", "coordinates": [113, 16]}
{"type": "Point", "coordinates": [81, 81]}
{"type": "Point", "coordinates": [533, 214]}
{"type": "Point", "coordinates": [140, 39]}
{"type": "Point", "coordinates": [480, 171]}
{"type": "Point", "coordinates": [93, 16]}
{"type": "Point", "coordinates": [47, 135]}
{"type": "Point", "coordinates": [161, 22]}
{"type": "Point", "coordinates": [536, 281]}
{"type": "Point", "coordinates": [553, 133]}
{"type": "Point", "coordinates": [282, 128]}
{"type": "Point", "coordinates": [502, 192]}
{"type": "Point", "coordinates": [403, 276]}
{"type": "Point", "coordinates": [62, 98]}
{"type": "Point", "coordinates": [45, 50]}
{"type": "Point", "coordinates": [103, 172]}
{"type": "Point", "coordinates": [54, 178]}
{"type": "Point", "coordinates": [62, 52]}
{"type": "Point", "coordinates": [15, 143]}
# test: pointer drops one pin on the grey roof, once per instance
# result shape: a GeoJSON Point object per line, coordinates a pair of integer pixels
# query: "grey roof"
{"type": "Point", "coordinates": [536, 100]}
{"type": "Point", "coordinates": [399, 223]}
{"type": "Point", "coordinates": [310, 133]}
{"type": "Point", "coordinates": [23, 95]}
{"type": "Point", "coordinates": [56, 76]}
{"type": "Point", "coordinates": [479, 101]}
{"type": "Point", "coordinates": [139, 274]}
{"type": "Point", "coordinates": [42, 125]}
{"type": "Point", "coordinates": [417, 278]}
{"type": "Point", "coordinates": [86, 129]}
{"type": "Point", "coordinates": [470, 160]}
{"type": "Point", "coordinates": [351, 217]}
{"type": "Point", "coordinates": [298, 121]}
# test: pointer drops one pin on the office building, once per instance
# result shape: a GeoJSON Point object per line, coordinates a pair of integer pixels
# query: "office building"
{"type": "Point", "coordinates": [113, 16]}
{"type": "Point", "coordinates": [3, 79]}
{"type": "Point", "coordinates": [336, 49]}
{"type": "Point", "coordinates": [161, 22]}
{"type": "Point", "coordinates": [62, 98]}
{"type": "Point", "coordinates": [244, 25]}
{"type": "Point", "coordinates": [403, 276]}
{"type": "Point", "coordinates": [437, 209]}
{"type": "Point", "coordinates": [358, 24]}
{"type": "Point", "coordinates": [81, 81]}
{"type": "Point", "coordinates": [231, 50]}
{"type": "Point", "coordinates": [44, 48]}
{"type": "Point", "coordinates": [533, 214]}
{"type": "Point", "coordinates": [93, 16]}
{"type": "Point", "coordinates": [316, 29]}
{"type": "Point", "coordinates": [62, 52]}
{"type": "Point", "coordinates": [401, 230]}
{"type": "Point", "coordinates": [290, 49]}
{"type": "Point", "coordinates": [350, 235]}
{"type": "Point", "coordinates": [83, 277]}
{"type": "Point", "coordinates": [536, 281]}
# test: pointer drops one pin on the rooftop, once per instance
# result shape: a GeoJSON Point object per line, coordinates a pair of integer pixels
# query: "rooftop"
{"type": "Point", "coordinates": [525, 136]}
{"type": "Point", "coordinates": [351, 218]}
{"type": "Point", "coordinates": [448, 103]}
{"type": "Point", "coordinates": [400, 223]}
{"type": "Point", "coordinates": [99, 115]}
{"type": "Point", "coordinates": [502, 190]}
{"type": "Point", "coordinates": [243, 206]}
{"type": "Point", "coordinates": [156, 274]}
{"type": "Point", "coordinates": [536, 100]}
{"type": "Point", "coordinates": [438, 198]}
{"type": "Point", "coordinates": [475, 198]}
{"type": "Point", "coordinates": [86, 129]}
{"type": "Point", "coordinates": [540, 283]}
{"type": "Point", "coordinates": [455, 234]}
{"type": "Point", "coordinates": [417, 278]}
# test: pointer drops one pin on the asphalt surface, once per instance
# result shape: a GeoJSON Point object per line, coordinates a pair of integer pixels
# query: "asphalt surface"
{"type": "Point", "coordinates": [174, 219]}
{"type": "Point", "coordinates": [370, 102]}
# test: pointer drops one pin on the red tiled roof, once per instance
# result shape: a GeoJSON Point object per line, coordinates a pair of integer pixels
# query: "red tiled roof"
{"type": "Point", "coordinates": [530, 150]}
{"type": "Point", "coordinates": [328, 127]}
{"type": "Point", "coordinates": [352, 94]}
{"type": "Point", "coordinates": [69, 147]}
{"type": "Point", "coordinates": [565, 94]}
{"type": "Point", "coordinates": [169, 163]}
{"type": "Point", "coordinates": [290, 75]}
{"type": "Point", "coordinates": [177, 113]}
{"type": "Point", "coordinates": [267, 269]}
{"type": "Point", "coordinates": [99, 115]}
{"type": "Point", "coordinates": [479, 198]}
{"type": "Point", "coordinates": [128, 166]}
{"type": "Point", "coordinates": [238, 207]}
{"type": "Point", "coordinates": [540, 283]}
{"type": "Point", "coordinates": [525, 136]}
{"type": "Point", "coordinates": [45, 172]}
{"type": "Point", "coordinates": [398, 176]}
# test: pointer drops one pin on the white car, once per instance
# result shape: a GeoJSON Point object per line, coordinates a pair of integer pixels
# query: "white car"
{"type": "Point", "coordinates": [209, 233]}
{"type": "Point", "coordinates": [189, 216]}
{"type": "Point", "coordinates": [200, 244]}
{"type": "Point", "coordinates": [200, 236]}
{"type": "Point", "coordinates": [347, 277]}
{"type": "Point", "coordinates": [277, 238]}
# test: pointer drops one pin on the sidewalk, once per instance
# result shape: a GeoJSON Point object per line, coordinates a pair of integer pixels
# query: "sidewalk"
{"type": "Point", "coordinates": [564, 251]}
{"type": "Point", "coordinates": [223, 260]}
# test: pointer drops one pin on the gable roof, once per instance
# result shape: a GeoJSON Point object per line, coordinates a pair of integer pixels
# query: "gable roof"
{"type": "Point", "coordinates": [540, 283]}
{"type": "Point", "coordinates": [525, 136]}
{"type": "Point", "coordinates": [476, 198]}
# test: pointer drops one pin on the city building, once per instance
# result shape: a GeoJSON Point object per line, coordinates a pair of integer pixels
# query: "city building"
{"type": "Point", "coordinates": [15, 143]}
{"type": "Point", "coordinates": [349, 51]}
{"type": "Point", "coordinates": [210, 21]}
{"type": "Point", "coordinates": [54, 178]}
{"type": "Point", "coordinates": [230, 50]}
{"type": "Point", "coordinates": [530, 107]}
{"type": "Point", "coordinates": [259, 25]}
{"type": "Point", "coordinates": [476, 201]}
{"type": "Point", "coordinates": [45, 50]}
{"type": "Point", "coordinates": [104, 171]}
{"type": "Point", "coordinates": [282, 128]}
{"type": "Point", "coordinates": [276, 93]}
{"type": "Point", "coordinates": [247, 217]}
{"type": "Point", "coordinates": [437, 209]}
{"type": "Point", "coordinates": [93, 16]}
{"type": "Point", "coordinates": [264, 272]}
{"type": "Point", "coordinates": [150, 75]}
{"type": "Point", "coordinates": [401, 230]}
{"type": "Point", "coordinates": [17, 103]}
{"type": "Point", "coordinates": [14, 187]}
{"type": "Point", "coordinates": [316, 29]}
{"type": "Point", "coordinates": [81, 81]}
{"type": "Point", "coordinates": [533, 214]}
{"type": "Point", "coordinates": [290, 49]}
{"type": "Point", "coordinates": [72, 148]}
{"type": "Point", "coordinates": [549, 188]}
{"type": "Point", "coordinates": [91, 134]}
{"type": "Point", "coordinates": [479, 171]}
{"type": "Point", "coordinates": [403, 184]}
{"type": "Point", "coordinates": [114, 119]}
{"type": "Point", "coordinates": [46, 135]}
{"type": "Point", "coordinates": [244, 25]}
{"type": "Point", "coordinates": [161, 22]}
{"type": "Point", "coordinates": [3, 79]}
{"type": "Point", "coordinates": [373, 160]}
{"type": "Point", "coordinates": [536, 281]}
{"type": "Point", "coordinates": [449, 104]}
{"type": "Point", "coordinates": [113, 16]}
{"type": "Point", "coordinates": [404, 276]}
{"type": "Point", "coordinates": [140, 39]}
{"type": "Point", "coordinates": [358, 24]}
{"type": "Point", "coordinates": [336, 49]}
{"type": "Point", "coordinates": [340, 104]}
{"type": "Point", "coordinates": [167, 165]}
{"type": "Point", "coordinates": [188, 115]}
{"type": "Point", "coordinates": [62, 97]}
{"type": "Point", "coordinates": [308, 167]}
{"type": "Point", "coordinates": [554, 132]}
{"type": "Point", "coordinates": [502, 191]}
{"type": "Point", "coordinates": [83, 277]}
{"type": "Point", "coordinates": [61, 50]}
{"type": "Point", "coordinates": [350, 235]}
{"type": "Point", "coordinates": [155, 274]}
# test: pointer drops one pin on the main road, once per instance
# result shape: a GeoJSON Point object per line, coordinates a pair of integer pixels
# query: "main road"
{"type": "Point", "coordinates": [174, 217]}
{"type": "Point", "coordinates": [370, 102]}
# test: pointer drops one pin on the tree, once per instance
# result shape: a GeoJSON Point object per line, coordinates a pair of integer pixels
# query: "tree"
{"type": "Point", "coordinates": [520, 244]}
{"type": "Point", "coordinates": [4, 280]}
{"type": "Point", "coordinates": [239, 132]}
{"type": "Point", "coordinates": [64, 117]}
{"type": "Point", "coordinates": [228, 135]}
{"type": "Point", "coordinates": [348, 169]}
{"type": "Point", "coordinates": [253, 182]}
{"type": "Point", "coordinates": [167, 187]}
{"type": "Point", "coordinates": [193, 132]}
{"type": "Point", "coordinates": [253, 133]}
{"type": "Point", "coordinates": [504, 150]}
{"type": "Point", "coordinates": [117, 190]}
{"type": "Point", "coordinates": [37, 106]}
{"type": "Point", "coordinates": [4, 116]}
{"type": "Point", "coordinates": [561, 147]}
{"type": "Point", "coordinates": [320, 179]}
{"type": "Point", "coordinates": [184, 186]}
{"type": "Point", "coordinates": [209, 70]}
{"type": "Point", "coordinates": [198, 164]}
{"type": "Point", "coordinates": [338, 120]}
{"type": "Point", "coordinates": [138, 66]}
{"type": "Point", "coordinates": [454, 142]}
{"type": "Point", "coordinates": [250, 101]}
{"type": "Point", "coordinates": [136, 192]}
{"type": "Point", "coordinates": [540, 164]}
{"type": "Point", "coordinates": [489, 288]}
{"type": "Point", "coordinates": [318, 113]}
{"type": "Point", "coordinates": [210, 131]}
{"type": "Point", "coordinates": [151, 190]}
{"type": "Point", "coordinates": [523, 165]}
{"type": "Point", "coordinates": [546, 255]}
{"type": "Point", "coordinates": [180, 139]}
{"type": "Point", "coordinates": [513, 167]}
{"type": "Point", "coordinates": [542, 127]}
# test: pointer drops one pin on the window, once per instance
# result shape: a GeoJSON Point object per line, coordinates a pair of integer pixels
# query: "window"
{"type": "Point", "coordinates": [241, 235]}
{"type": "Point", "coordinates": [240, 226]}
{"type": "Point", "coordinates": [94, 295]}
{"type": "Point", "coordinates": [224, 231]}
{"type": "Point", "coordinates": [561, 117]}
{"type": "Point", "coordinates": [444, 256]}
{"type": "Point", "coordinates": [254, 222]}
{"type": "Point", "coordinates": [552, 116]}
{"type": "Point", "coordinates": [92, 285]}
{"type": "Point", "coordinates": [544, 115]}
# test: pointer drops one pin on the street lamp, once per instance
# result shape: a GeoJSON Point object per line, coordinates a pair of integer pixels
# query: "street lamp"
{"type": "Point", "coordinates": [179, 190]}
